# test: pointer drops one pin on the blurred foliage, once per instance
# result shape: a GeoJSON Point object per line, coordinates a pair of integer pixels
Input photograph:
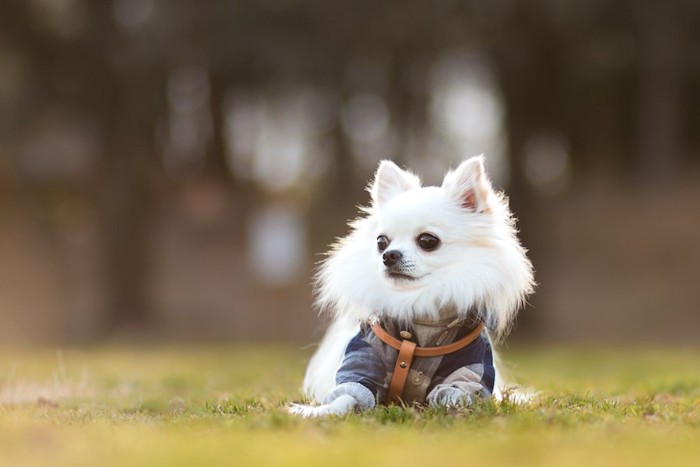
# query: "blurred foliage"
{"type": "Point", "coordinates": [111, 111]}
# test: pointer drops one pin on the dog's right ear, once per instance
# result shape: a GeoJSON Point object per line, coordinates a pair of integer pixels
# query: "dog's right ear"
{"type": "Point", "coordinates": [389, 181]}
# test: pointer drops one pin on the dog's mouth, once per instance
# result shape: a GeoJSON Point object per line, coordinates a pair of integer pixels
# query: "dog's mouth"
{"type": "Point", "coordinates": [399, 276]}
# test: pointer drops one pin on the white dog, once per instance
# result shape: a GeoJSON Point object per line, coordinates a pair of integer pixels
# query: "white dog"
{"type": "Point", "coordinates": [418, 290]}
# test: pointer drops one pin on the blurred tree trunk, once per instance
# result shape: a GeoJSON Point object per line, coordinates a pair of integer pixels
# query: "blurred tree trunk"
{"type": "Point", "coordinates": [217, 165]}
{"type": "Point", "coordinates": [129, 101]}
{"type": "Point", "coordinates": [661, 75]}
{"type": "Point", "coordinates": [529, 64]}
{"type": "Point", "coordinates": [126, 202]}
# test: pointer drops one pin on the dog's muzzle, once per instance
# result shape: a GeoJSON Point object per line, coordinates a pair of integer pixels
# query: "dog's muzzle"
{"type": "Point", "coordinates": [396, 267]}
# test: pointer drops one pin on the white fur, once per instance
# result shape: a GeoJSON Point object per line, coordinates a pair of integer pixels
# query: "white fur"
{"type": "Point", "coordinates": [479, 263]}
{"type": "Point", "coordinates": [339, 406]}
{"type": "Point", "coordinates": [320, 373]}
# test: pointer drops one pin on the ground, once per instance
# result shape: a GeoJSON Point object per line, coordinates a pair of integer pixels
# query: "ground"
{"type": "Point", "coordinates": [174, 406]}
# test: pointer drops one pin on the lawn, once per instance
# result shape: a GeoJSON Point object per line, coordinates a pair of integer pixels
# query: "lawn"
{"type": "Point", "coordinates": [205, 406]}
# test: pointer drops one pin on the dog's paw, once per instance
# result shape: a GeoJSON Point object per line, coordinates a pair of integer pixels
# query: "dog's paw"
{"type": "Point", "coordinates": [339, 406]}
{"type": "Point", "coordinates": [448, 396]}
{"type": "Point", "coordinates": [308, 411]}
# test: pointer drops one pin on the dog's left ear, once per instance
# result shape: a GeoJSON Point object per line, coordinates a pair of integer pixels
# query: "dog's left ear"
{"type": "Point", "coordinates": [469, 185]}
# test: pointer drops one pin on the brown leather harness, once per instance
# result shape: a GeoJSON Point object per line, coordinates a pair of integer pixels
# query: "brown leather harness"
{"type": "Point", "coordinates": [408, 350]}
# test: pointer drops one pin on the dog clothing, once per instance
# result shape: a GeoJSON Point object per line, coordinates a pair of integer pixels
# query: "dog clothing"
{"type": "Point", "coordinates": [368, 364]}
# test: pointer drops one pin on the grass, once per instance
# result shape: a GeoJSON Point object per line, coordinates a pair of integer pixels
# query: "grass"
{"type": "Point", "coordinates": [223, 406]}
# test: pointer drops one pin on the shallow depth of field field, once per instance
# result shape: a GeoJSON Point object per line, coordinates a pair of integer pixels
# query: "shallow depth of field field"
{"type": "Point", "coordinates": [225, 406]}
{"type": "Point", "coordinates": [172, 172]}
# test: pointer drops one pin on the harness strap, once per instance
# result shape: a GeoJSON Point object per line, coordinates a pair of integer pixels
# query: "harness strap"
{"type": "Point", "coordinates": [401, 369]}
{"type": "Point", "coordinates": [407, 350]}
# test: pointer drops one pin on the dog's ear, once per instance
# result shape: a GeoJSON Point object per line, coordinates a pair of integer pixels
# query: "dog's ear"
{"type": "Point", "coordinates": [389, 181]}
{"type": "Point", "coordinates": [469, 185]}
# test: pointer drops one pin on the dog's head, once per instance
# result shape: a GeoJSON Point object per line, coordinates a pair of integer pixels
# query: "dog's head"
{"type": "Point", "coordinates": [421, 249]}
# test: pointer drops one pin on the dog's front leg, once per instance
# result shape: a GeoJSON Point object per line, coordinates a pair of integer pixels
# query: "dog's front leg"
{"type": "Point", "coordinates": [458, 389]}
{"type": "Point", "coordinates": [342, 405]}
{"type": "Point", "coordinates": [444, 395]}
{"type": "Point", "coordinates": [342, 399]}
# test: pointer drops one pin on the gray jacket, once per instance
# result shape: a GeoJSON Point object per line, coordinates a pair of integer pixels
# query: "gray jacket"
{"type": "Point", "coordinates": [368, 364]}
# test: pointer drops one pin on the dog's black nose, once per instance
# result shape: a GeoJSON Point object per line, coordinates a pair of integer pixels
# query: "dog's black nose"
{"type": "Point", "coordinates": [391, 257]}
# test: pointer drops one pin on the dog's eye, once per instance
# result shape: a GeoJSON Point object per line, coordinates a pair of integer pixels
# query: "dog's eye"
{"type": "Point", "coordinates": [382, 242]}
{"type": "Point", "coordinates": [428, 242]}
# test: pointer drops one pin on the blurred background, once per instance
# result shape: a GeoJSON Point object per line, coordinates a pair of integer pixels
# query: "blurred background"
{"type": "Point", "coordinates": [172, 169]}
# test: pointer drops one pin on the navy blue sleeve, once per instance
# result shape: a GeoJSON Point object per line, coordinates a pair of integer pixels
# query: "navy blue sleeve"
{"type": "Point", "coordinates": [362, 364]}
